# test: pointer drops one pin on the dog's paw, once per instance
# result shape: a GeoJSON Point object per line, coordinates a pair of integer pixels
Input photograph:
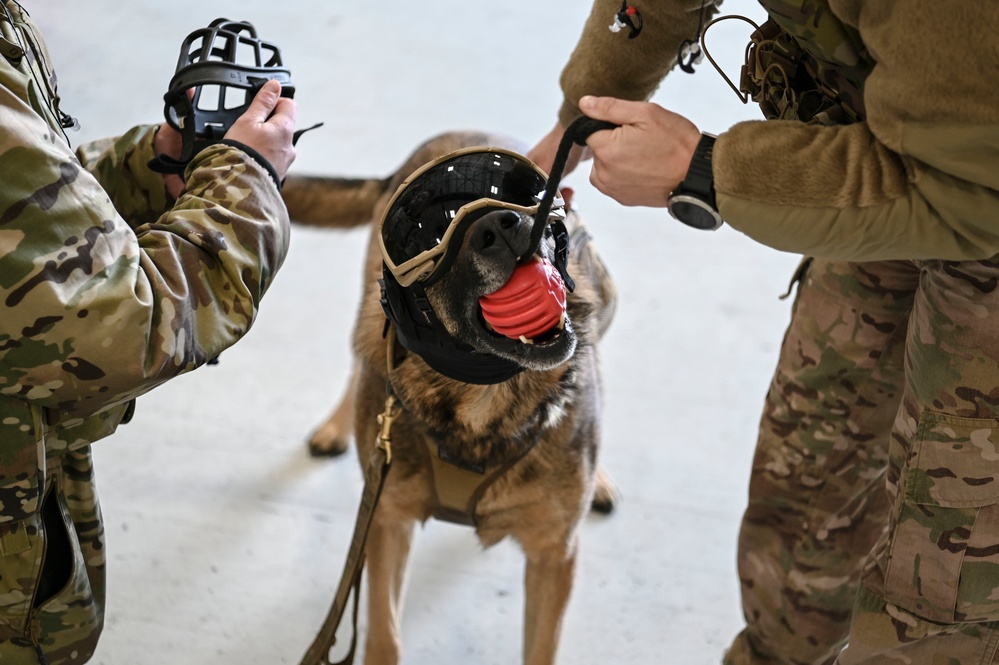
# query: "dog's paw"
{"type": "Point", "coordinates": [606, 495]}
{"type": "Point", "coordinates": [328, 441]}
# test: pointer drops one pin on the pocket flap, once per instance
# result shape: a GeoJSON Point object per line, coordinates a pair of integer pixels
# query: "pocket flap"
{"type": "Point", "coordinates": [957, 462]}
{"type": "Point", "coordinates": [20, 450]}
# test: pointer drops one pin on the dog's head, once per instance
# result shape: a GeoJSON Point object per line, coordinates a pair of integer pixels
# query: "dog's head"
{"type": "Point", "coordinates": [456, 232]}
{"type": "Point", "coordinates": [492, 249]}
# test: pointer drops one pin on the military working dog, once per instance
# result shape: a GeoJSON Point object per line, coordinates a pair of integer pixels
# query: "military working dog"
{"type": "Point", "coordinates": [512, 457]}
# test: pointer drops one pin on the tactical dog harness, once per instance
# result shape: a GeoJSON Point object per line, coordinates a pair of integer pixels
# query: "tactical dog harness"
{"type": "Point", "coordinates": [458, 487]}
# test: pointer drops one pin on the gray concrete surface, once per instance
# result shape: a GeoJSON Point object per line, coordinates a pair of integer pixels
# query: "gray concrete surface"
{"type": "Point", "coordinates": [225, 539]}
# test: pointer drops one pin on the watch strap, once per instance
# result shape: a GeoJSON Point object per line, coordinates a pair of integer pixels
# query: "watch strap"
{"type": "Point", "coordinates": [700, 180]}
{"type": "Point", "coordinates": [693, 202]}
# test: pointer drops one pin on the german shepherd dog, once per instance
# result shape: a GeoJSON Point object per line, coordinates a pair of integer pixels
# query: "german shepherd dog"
{"type": "Point", "coordinates": [541, 427]}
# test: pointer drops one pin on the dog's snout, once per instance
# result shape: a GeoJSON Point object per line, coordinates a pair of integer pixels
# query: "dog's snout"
{"type": "Point", "coordinates": [496, 229]}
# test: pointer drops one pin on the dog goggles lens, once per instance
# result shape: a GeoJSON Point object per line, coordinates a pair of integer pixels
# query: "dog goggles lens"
{"type": "Point", "coordinates": [422, 217]}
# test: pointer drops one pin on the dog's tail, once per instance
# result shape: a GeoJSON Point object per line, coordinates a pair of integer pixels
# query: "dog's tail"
{"type": "Point", "coordinates": [332, 202]}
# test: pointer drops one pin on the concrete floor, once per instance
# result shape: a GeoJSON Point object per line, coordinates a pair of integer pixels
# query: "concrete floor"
{"type": "Point", "coordinates": [226, 540]}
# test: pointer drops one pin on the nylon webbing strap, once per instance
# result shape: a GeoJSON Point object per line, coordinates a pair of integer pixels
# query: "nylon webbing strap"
{"type": "Point", "coordinates": [350, 579]}
{"type": "Point", "coordinates": [11, 51]}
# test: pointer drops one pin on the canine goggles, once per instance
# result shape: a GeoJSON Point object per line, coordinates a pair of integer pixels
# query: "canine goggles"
{"type": "Point", "coordinates": [427, 211]}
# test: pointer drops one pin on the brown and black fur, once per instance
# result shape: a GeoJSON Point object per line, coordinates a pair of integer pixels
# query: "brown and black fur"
{"type": "Point", "coordinates": [553, 406]}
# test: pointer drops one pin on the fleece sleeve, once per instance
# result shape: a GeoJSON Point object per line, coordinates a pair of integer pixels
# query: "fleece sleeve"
{"type": "Point", "coordinates": [918, 179]}
{"type": "Point", "coordinates": [607, 63]}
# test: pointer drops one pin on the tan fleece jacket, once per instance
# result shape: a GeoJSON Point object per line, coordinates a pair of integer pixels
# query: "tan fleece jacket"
{"type": "Point", "coordinates": [918, 179]}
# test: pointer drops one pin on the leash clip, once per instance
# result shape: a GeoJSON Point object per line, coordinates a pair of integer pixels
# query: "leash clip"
{"type": "Point", "coordinates": [385, 420]}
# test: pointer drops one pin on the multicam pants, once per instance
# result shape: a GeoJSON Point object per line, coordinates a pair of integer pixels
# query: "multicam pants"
{"type": "Point", "coordinates": [873, 517]}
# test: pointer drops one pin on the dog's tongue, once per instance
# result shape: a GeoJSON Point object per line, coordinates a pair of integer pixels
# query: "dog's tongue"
{"type": "Point", "coordinates": [531, 303]}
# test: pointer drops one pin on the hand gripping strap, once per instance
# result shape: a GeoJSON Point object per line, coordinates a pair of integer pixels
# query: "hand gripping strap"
{"type": "Point", "coordinates": [577, 132]}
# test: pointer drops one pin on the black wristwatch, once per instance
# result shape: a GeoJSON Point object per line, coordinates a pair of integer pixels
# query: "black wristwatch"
{"type": "Point", "coordinates": [693, 202]}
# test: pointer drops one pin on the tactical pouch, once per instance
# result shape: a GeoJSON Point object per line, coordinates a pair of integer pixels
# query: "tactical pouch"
{"type": "Point", "coordinates": [790, 84]}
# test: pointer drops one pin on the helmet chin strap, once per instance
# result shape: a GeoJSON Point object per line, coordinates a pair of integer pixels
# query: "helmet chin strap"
{"type": "Point", "coordinates": [576, 133]}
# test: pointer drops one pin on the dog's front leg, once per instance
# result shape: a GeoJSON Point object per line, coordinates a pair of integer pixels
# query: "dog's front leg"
{"type": "Point", "coordinates": [332, 438]}
{"type": "Point", "coordinates": [548, 583]}
{"type": "Point", "coordinates": [388, 553]}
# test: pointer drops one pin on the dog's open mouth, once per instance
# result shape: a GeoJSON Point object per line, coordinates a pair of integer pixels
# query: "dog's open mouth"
{"type": "Point", "coordinates": [530, 307]}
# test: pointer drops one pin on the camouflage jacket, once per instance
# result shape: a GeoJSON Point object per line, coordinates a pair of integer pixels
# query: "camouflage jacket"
{"type": "Point", "coordinates": [108, 288]}
{"type": "Point", "coordinates": [916, 178]}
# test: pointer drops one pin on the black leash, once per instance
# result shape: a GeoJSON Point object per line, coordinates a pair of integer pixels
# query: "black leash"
{"type": "Point", "coordinates": [577, 132]}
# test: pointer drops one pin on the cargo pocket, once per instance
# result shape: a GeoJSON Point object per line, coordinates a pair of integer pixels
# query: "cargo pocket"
{"type": "Point", "coordinates": [944, 551]}
{"type": "Point", "coordinates": [69, 615]}
{"type": "Point", "coordinates": [58, 563]}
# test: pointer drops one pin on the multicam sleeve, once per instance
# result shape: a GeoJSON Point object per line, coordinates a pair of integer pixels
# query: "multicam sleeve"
{"type": "Point", "coordinates": [95, 312]}
{"type": "Point", "coordinates": [119, 164]}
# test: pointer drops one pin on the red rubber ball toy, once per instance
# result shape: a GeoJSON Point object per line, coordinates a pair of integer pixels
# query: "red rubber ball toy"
{"type": "Point", "coordinates": [531, 303]}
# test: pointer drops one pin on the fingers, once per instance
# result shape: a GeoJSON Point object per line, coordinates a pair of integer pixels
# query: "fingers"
{"type": "Point", "coordinates": [629, 116]}
{"type": "Point", "coordinates": [598, 182]}
{"type": "Point", "coordinates": [646, 157]}
{"type": "Point", "coordinates": [268, 126]}
{"type": "Point", "coordinates": [264, 102]}
{"type": "Point", "coordinates": [618, 111]}
{"type": "Point", "coordinates": [285, 113]}
{"type": "Point", "coordinates": [269, 107]}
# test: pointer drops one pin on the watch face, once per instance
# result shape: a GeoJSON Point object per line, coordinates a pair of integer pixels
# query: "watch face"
{"type": "Point", "coordinates": [694, 212]}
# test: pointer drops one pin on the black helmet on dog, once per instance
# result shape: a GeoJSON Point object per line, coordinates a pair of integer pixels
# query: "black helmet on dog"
{"type": "Point", "coordinates": [434, 206]}
{"type": "Point", "coordinates": [420, 233]}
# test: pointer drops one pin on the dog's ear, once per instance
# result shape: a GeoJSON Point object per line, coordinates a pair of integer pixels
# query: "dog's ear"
{"type": "Point", "coordinates": [567, 194]}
